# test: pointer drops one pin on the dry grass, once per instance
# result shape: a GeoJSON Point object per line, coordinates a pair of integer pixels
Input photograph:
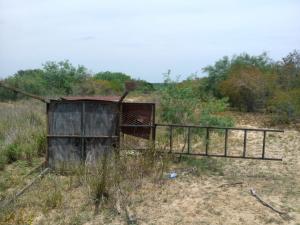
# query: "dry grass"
{"type": "Point", "coordinates": [193, 197]}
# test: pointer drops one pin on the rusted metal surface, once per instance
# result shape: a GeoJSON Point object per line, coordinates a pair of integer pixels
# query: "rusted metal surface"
{"type": "Point", "coordinates": [137, 119]}
{"type": "Point", "coordinates": [207, 141]}
{"type": "Point", "coordinates": [82, 128]}
{"type": "Point", "coordinates": [92, 98]}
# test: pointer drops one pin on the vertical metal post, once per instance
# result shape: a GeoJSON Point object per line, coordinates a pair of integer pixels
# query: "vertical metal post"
{"type": "Point", "coordinates": [207, 141]}
{"type": "Point", "coordinates": [48, 132]}
{"type": "Point", "coordinates": [226, 139]}
{"type": "Point", "coordinates": [83, 153]}
{"type": "Point", "coordinates": [264, 145]}
{"type": "Point", "coordinates": [189, 140]}
{"type": "Point", "coordinates": [153, 126]}
{"type": "Point", "coordinates": [119, 128]}
{"type": "Point", "coordinates": [245, 143]}
{"type": "Point", "coordinates": [171, 138]}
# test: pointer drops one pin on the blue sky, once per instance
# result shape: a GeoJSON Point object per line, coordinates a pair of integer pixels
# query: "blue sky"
{"type": "Point", "coordinates": [143, 38]}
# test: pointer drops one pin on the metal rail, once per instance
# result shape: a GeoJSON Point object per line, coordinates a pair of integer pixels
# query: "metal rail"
{"type": "Point", "coordinates": [207, 140]}
{"type": "Point", "coordinates": [208, 129]}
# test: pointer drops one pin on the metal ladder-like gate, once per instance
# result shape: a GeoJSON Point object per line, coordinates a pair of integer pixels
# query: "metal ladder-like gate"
{"type": "Point", "coordinates": [208, 151]}
{"type": "Point", "coordinates": [208, 129]}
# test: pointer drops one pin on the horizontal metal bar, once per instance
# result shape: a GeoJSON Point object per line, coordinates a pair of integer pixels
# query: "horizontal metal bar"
{"type": "Point", "coordinates": [203, 154]}
{"type": "Point", "coordinates": [79, 136]}
{"type": "Point", "coordinates": [131, 125]}
{"type": "Point", "coordinates": [222, 156]}
{"type": "Point", "coordinates": [222, 128]}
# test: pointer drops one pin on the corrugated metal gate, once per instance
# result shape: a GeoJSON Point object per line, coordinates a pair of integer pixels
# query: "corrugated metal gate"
{"type": "Point", "coordinates": [80, 130]}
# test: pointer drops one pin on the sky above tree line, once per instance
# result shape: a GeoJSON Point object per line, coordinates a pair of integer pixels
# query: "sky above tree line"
{"type": "Point", "coordinates": [143, 38]}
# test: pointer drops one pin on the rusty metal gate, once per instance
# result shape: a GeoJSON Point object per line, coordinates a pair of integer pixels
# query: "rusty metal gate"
{"type": "Point", "coordinates": [189, 131]}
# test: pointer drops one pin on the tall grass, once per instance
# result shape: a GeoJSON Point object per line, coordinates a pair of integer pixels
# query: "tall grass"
{"type": "Point", "coordinates": [22, 131]}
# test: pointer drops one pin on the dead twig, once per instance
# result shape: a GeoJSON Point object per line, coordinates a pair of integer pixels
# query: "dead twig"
{"type": "Point", "coordinates": [282, 214]}
{"type": "Point", "coordinates": [230, 184]}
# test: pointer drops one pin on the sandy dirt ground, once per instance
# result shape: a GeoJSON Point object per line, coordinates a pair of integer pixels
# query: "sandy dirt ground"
{"type": "Point", "coordinates": [226, 199]}
{"type": "Point", "coordinates": [195, 198]}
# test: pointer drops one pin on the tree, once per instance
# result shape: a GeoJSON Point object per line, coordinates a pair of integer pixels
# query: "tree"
{"type": "Point", "coordinates": [116, 79]}
{"type": "Point", "coordinates": [61, 76]}
{"type": "Point", "coordinates": [221, 70]}
{"type": "Point", "coordinates": [247, 87]}
{"type": "Point", "coordinates": [289, 71]}
{"type": "Point", "coordinates": [91, 87]}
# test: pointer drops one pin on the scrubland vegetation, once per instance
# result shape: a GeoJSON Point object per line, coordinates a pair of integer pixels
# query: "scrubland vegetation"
{"type": "Point", "coordinates": [243, 91]}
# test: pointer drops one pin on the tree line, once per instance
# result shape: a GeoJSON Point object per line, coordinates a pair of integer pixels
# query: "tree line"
{"type": "Point", "coordinates": [257, 84]}
{"type": "Point", "coordinates": [252, 83]}
{"type": "Point", "coordinates": [63, 78]}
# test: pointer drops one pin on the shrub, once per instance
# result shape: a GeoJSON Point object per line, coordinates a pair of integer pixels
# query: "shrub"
{"type": "Point", "coordinates": [285, 106]}
{"type": "Point", "coordinates": [12, 153]}
{"type": "Point", "coordinates": [181, 104]}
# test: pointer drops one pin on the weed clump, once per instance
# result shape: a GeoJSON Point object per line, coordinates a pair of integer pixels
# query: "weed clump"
{"type": "Point", "coordinates": [12, 153]}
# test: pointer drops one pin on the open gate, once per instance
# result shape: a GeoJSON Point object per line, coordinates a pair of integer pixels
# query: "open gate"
{"type": "Point", "coordinates": [187, 148]}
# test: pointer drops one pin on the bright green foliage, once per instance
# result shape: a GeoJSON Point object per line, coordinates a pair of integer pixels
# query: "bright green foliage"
{"type": "Point", "coordinates": [181, 104]}
{"type": "Point", "coordinates": [178, 104]}
{"type": "Point", "coordinates": [56, 78]}
{"type": "Point", "coordinates": [28, 80]}
{"type": "Point", "coordinates": [61, 76]}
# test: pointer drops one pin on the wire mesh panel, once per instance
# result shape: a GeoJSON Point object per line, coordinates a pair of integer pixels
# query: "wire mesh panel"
{"type": "Point", "coordinates": [138, 119]}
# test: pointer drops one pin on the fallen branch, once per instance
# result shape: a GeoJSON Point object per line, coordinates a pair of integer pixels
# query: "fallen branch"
{"type": "Point", "coordinates": [230, 184]}
{"type": "Point", "coordinates": [39, 177]}
{"type": "Point", "coordinates": [283, 214]}
{"type": "Point", "coordinates": [35, 169]}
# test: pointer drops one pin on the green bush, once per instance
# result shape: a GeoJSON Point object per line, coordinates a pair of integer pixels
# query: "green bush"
{"type": "Point", "coordinates": [285, 106]}
{"type": "Point", "coordinates": [12, 153]}
{"type": "Point", "coordinates": [181, 104]}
